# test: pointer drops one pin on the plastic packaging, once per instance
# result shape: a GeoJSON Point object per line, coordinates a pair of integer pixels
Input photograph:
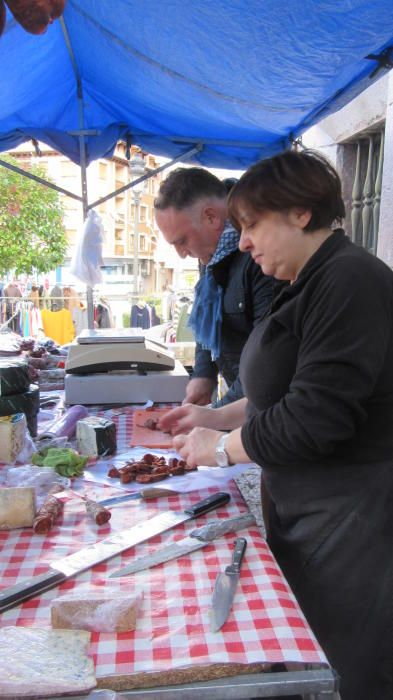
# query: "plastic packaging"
{"type": "Point", "coordinates": [96, 611]}
{"type": "Point", "coordinates": [41, 663]}
{"type": "Point", "coordinates": [66, 425]}
{"type": "Point", "coordinates": [87, 258]}
{"type": "Point", "coordinates": [20, 446]}
{"type": "Point", "coordinates": [41, 478]}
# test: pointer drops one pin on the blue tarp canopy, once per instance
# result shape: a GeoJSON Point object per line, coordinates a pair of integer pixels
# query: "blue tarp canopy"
{"type": "Point", "coordinates": [242, 78]}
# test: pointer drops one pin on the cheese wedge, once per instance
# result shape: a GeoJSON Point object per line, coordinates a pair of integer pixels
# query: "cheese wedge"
{"type": "Point", "coordinates": [41, 663]}
{"type": "Point", "coordinates": [12, 436]}
{"type": "Point", "coordinates": [17, 507]}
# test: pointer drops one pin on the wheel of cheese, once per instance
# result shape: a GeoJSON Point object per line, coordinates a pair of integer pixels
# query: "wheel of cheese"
{"type": "Point", "coordinates": [27, 402]}
{"type": "Point", "coordinates": [14, 376]}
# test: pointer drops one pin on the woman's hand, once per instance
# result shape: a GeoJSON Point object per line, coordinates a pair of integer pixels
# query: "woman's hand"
{"type": "Point", "coordinates": [198, 447]}
{"type": "Point", "coordinates": [184, 418]}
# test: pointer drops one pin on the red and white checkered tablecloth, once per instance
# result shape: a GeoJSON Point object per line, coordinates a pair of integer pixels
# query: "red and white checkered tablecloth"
{"type": "Point", "coordinates": [173, 628]}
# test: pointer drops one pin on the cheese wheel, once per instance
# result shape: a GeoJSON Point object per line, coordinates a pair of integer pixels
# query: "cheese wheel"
{"type": "Point", "coordinates": [27, 402]}
{"type": "Point", "coordinates": [14, 375]}
{"type": "Point", "coordinates": [96, 436]}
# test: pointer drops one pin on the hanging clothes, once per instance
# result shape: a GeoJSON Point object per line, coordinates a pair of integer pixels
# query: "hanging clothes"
{"type": "Point", "coordinates": [154, 318]}
{"type": "Point", "coordinates": [140, 316]}
{"type": "Point", "coordinates": [57, 300]}
{"type": "Point", "coordinates": [2, 305]}
{"type": "Point", "coordinates": [79, 317]}
{"type": "Point", "coordinates": [12, 295]}
{"type": "Point", "coordinates": [34, 295]}
{"type": "Point", "coordinates": [45, 300]}
{"type": "Point", "coordinates": [103, 315]}
{"type": "Point", "coordinates": [58, 325]}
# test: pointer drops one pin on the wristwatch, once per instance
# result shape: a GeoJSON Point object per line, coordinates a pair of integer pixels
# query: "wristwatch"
{"type": "Point", "coordinates": [222, 457]}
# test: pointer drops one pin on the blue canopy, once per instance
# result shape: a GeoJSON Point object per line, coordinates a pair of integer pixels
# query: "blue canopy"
{"type": "Point", "coordinates": [241, 78]}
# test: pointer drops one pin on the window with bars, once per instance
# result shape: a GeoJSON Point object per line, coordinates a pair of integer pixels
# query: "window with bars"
{"type": "Point", "coordinates": [361, 169]}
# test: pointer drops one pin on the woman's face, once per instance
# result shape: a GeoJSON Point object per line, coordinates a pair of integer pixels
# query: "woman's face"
{"type": "Point", "coordinates": [275, 240]}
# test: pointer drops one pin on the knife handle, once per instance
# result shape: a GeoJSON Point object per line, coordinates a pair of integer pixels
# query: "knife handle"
{"type": "Point", "coordinates": [237, 557]}
{"type": "Point", "coordinates": [208, 504]}
{"type": "Point", "coordinates": [14, 595]}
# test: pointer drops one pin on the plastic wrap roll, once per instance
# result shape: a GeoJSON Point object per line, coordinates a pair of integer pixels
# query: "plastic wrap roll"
{"type": "Point", "coordinates": [65, 426]}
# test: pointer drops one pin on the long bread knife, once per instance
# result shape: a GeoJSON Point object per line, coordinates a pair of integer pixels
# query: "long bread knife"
{"type": "Point", "coordinates": [225, 587]}
{"type": "Point", "coordinates": [197, 539]}
{"type": "Point", "coordinates": [87, 557]}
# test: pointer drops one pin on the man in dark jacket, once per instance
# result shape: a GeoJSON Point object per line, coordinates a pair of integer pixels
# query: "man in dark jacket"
{"type": "Point", "coordinates": [232, 293]}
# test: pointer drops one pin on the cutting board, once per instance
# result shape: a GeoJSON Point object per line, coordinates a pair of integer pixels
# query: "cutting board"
{"type": "Point", "coordinates": [146, 437]}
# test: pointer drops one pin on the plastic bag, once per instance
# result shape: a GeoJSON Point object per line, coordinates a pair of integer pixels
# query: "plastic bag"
{"type": "Point", "coordinates": [93, 610]}
{"type": "Point", "coordinates": [20, 447]}
{"type": "Point", "coordinates": [27, 450]}
{"type": "Point", "coordinates": [87, 259]}
{"type": "Point", "coordinates": [41, 478]}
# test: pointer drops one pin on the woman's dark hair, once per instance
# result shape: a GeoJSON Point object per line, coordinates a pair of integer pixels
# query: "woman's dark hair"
{"type": "Point", "coordinates": [291, 179]}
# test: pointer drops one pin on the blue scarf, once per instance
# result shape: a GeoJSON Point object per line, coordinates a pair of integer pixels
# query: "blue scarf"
{"type": "Point", "coordinates": [206, 316]}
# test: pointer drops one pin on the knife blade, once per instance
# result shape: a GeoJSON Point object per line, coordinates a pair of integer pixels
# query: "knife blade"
{"type": "Point", "coordinates": [102, 550]}
{"type": "Point", "coordinates": [197, 539]}
{"type": "Point", "coordinates": [145, 494]}
{"type": "Point", "coordinates": [225, 587]}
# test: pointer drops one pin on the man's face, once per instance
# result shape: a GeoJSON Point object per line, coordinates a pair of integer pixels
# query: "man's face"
{"type": "Point", "coordinates": [189, 230]}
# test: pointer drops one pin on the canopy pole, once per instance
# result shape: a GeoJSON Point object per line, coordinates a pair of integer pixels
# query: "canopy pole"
{"type": "Point", "coordinates": [40, 180]}
{"type": "Point", "coordinates": [83, 158]}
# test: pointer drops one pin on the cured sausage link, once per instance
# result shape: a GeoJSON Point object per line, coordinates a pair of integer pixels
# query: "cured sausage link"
{"type": "Point", "coordinates": [2, 16]}
{"type": "Point", "coordinates": [35, 15]}
{"type": "Point", "coordinates": [100, 514]}
{"type": "Point", "coordinates": [47, 514]}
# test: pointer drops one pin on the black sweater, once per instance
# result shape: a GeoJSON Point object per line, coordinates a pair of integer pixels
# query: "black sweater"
{"type": "Point", "coordinates": [318, 371]}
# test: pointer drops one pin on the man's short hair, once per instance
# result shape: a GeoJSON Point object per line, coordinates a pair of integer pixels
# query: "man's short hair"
{"type": "Point", "coordinates": [185, 186]}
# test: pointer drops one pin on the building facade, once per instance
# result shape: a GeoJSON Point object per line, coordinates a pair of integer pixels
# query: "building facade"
{"type": "Point", "coordinates": [358, 139]}
{"type": "Point", "coordinates": [159, 267]}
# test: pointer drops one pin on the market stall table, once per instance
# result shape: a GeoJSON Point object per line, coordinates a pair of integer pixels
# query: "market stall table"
{"type": "Point", "coordinates": [172, 652]}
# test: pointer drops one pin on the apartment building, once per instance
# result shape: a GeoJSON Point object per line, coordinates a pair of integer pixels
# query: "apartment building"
{"type": "Point", "coordinates": [125, 220]}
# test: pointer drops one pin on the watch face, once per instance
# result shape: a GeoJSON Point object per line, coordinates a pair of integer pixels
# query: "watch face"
{"type": "Point", "coordinates": [221, 457]}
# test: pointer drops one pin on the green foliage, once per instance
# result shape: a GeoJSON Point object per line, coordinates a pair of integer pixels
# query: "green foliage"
{"type": "Point", "coordinates": [32, 235]}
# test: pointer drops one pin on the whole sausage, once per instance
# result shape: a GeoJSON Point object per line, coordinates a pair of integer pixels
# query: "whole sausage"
{"type": "Point", "coordinates": [100, 514]}
{"type": "Point", "coordinates": [47, 514]}
{"type": "Point", "coordinates": [35, 15]}
{"type": "Point", "coordinates": [2, 16]}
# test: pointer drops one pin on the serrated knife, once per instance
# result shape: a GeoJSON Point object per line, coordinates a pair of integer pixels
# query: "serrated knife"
{"type": "Point", "coordinates": [197, 539]}
{"type": "Point", "coordinates": [225, 587]}
{"type": "Point", "coordinates": [85, 558]}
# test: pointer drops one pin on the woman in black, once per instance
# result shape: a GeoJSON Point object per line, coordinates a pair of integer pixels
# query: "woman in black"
{"type": "Point", "coordinates": [317, 373]}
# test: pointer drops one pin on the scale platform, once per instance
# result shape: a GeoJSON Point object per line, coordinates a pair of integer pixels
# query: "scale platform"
{"type": "Point", "coordinates": [164, 386]}
{"type": "Point", "coordinates": [107, 350]}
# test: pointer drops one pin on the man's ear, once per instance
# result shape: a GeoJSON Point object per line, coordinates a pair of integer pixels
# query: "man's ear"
{"type": "Point", "coordinates": [210, 216]}
{"type": "Point", "coordinates": [300, 216]}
